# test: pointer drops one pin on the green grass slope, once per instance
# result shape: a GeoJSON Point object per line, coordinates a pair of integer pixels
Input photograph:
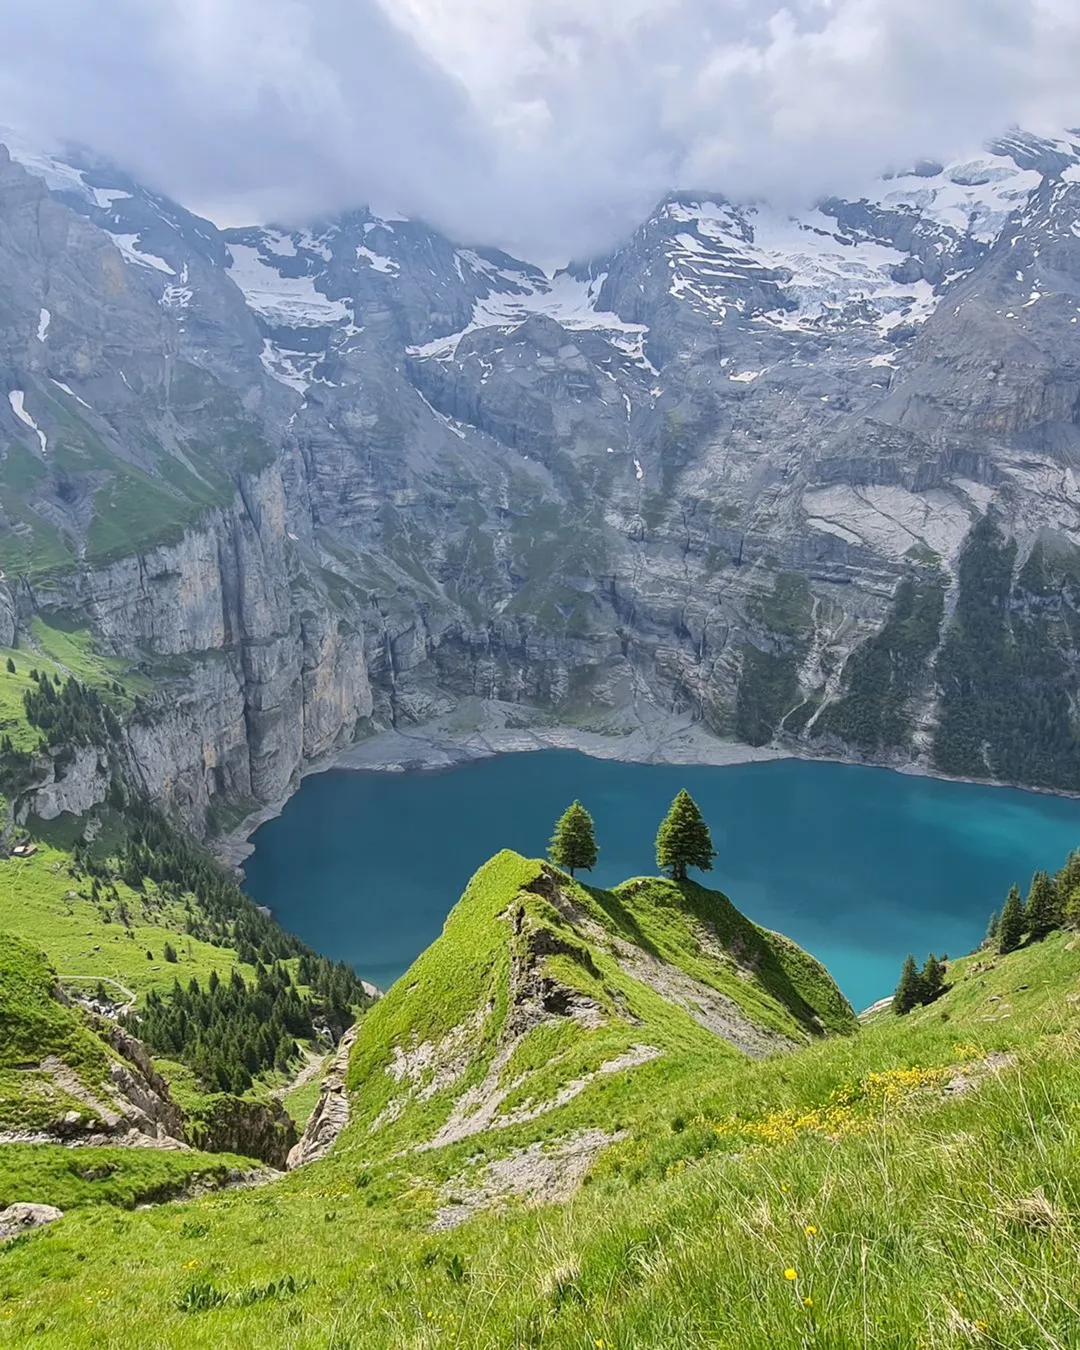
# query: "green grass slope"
{"type": "Point", "coordinates": [913, 1184]}
{"type": "Point", "coordinates": [43, 903]}
{"type": "Point", "coordinates": [37, 1033]}
{"type": "Point", "coordinates": [35, 1027]}
{"type": "Point", "coordinates": [547, 1000]}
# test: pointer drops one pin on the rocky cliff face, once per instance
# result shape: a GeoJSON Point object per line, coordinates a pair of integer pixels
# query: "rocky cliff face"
{"type": "Point", "coordinates": [305, 480]}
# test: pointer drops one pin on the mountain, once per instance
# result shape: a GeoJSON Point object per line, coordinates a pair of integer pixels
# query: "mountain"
{"type": "Point", "coordinates": [262, 492]}
{"type": "Point", "coordinates": [629, 1117]}
{"type": "Point", "coordinates": [793, 476]}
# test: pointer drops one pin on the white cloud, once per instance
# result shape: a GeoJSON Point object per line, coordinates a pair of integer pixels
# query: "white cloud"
{"type": "Point", "coordinates": [549, 126]}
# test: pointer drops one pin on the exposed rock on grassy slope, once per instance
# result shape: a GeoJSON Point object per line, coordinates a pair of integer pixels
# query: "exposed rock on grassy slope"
{"type": "Point", "coordinates": [919, 1172]}
{"type": "Point", "coordinates": [64, 1078]}
{"type": "Point", "coordinates": [541, 988]}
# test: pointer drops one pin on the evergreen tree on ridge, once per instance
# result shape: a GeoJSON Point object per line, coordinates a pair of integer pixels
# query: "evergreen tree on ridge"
{"type": "Point", "coordinates": [683, 839]}
{"type": "Point", "coordinates": [1042, 911]}
{"type": "Point", "coordinates": [573, 844]}
{"type": "Point", "coordinates": [1011, 925]}
{"type": "Point", "coordinates": [909, 990]}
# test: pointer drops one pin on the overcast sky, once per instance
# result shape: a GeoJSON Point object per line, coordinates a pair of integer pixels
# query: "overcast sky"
{"type": "Point", "coordinates": [547, 126]}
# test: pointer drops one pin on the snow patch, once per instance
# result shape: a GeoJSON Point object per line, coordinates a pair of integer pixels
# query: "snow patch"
{"type": "Point", "coordinates": [54, 173]}
{"type": "Point", "coordinates": [71, 393]}
{"type": "Point", "coordinates": [513, 296]}
{"type": "Point", "coordinates": [44, 319]}
{"type": "Point", "coordinates": [107, 198]}
{"type": "Point", "coordinates": [289, 302]}
{"type": "Point", "coordinates": [281, 245]}
{"type": "Point", "coordinates": [378, 261]}
{"type": "Point", "coordinates": [128, 246]}
{"type": "Point", "coordinates": [974, 196]}
{"type": "Point", "coordinates": [736, 255]}
{"type": "Point", "coordinates": [17, 399]}
{"type": "Point", "coordinates": [291, 368]}
{"type": "Point", "coordinates": [178, 296]}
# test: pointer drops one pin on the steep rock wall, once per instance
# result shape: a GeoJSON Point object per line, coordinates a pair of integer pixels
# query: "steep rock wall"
{"type": "Point", "coordinates": [253, 668]}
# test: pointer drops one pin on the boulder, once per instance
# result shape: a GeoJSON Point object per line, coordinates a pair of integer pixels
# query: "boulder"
{"type": "Point", "coordinates": [25, 1217]}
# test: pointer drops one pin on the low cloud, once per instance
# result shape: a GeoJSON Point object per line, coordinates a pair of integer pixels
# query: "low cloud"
{"type": "Point", "coordinates": [546, 126]}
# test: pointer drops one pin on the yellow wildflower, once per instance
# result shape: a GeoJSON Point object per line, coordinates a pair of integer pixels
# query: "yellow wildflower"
{"type": "Point", "coordinates": [811, 1231]}
{"type": "Point", "coordinates": [808, 1302]}
{"type": "Point", "coordinates": [791, 1273]}
{"type": "Point", "coordinates": [189, 1265]}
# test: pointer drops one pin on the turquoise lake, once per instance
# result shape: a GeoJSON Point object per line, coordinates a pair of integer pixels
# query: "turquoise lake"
{"type": "Point", "coordinates": [858, 865]}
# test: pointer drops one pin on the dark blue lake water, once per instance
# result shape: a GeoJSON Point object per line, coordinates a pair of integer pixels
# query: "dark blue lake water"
{"type": "Point", "coordinates": [858, 865]}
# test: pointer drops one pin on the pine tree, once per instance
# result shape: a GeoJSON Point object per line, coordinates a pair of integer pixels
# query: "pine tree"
{"type": "Point", "coordinates": [932, 979]}
{"type": "Point", "coordinates": [992, 929]}
{"type": "Point", "coordinates": [1067, 881]}
{"type": "Point", "coordinates": [683, 839]}
{"type": "Point", "coordinates": [573, 844]}
{"type": "Point", "coordinates": [10, 666]}
{"type": "Point", "coordinates": [1011, 926]}
{"type": "Point", "coordinates": [1041, 912]}
{"type": "Point", "coordinates": [909, 990]}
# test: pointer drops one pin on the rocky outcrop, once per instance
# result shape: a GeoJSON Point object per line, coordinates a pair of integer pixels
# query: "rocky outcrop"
{"type": "Point", "coordinates": [315, 484]}
{"type": "Point", "coordinates": [79, 783]}
{"type": "Point", "coordinates": [24, 1217]}
{"type": "Point", "coordinates": [252, 675]}
{"type": "Point", "coordinates": [254, 1129]}
{"type": "Point", "coordinates": [141, 1084]}
{"type": "Point", "coordinates": [331, 1113]}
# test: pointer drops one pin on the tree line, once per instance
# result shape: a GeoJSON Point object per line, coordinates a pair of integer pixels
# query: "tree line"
{"type": "Point", "coordinates": [683, 840]}
{"type": "Point", "coordinates": [231, 1031]}
{"type": "Point", "coordinates": [69, 713]}
{"type": "Point", "coordinates": [1005, 671]}
{"type": "Point", "coordinates": [1052, 902]}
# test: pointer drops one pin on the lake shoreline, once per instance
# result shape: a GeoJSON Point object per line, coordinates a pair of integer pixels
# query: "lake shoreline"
{"type": "Point", "coordinates": [447, 742]}
{"type": "Point", "coordinates": [856, 867]}
{"type": "Point", "coordinates": [486, 728]}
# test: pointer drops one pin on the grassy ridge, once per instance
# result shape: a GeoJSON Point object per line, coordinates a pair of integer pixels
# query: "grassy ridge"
{"type": "Point", "coordinates": [34, 1023]}
{"type": "Point", "coordinates": [450, 1014]}
{"type": "Point", "coordinates": [34, 1026]}
{"type": "Point", "coordinates": [75, 1178]}
{"type": "Point", "coordinates": [918, 1195]}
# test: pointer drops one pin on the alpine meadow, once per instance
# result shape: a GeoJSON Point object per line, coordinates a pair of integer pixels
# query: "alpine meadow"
{"type": "Point", "coordinates": [376, 603]}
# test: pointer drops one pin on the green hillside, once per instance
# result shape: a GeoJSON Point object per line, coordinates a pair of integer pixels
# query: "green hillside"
{"type": "Point", "coordinates": [546, 997]}
{"type": "Point", "coordinates": [552, 1144]}
{"type": "Point", "coordinates": [36, 1028]}
{"type": "Point", "coordinates": [144, 922]}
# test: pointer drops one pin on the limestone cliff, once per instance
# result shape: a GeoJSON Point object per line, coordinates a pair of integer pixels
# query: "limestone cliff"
{"type": "Point", "coordinates": [301, 480]}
